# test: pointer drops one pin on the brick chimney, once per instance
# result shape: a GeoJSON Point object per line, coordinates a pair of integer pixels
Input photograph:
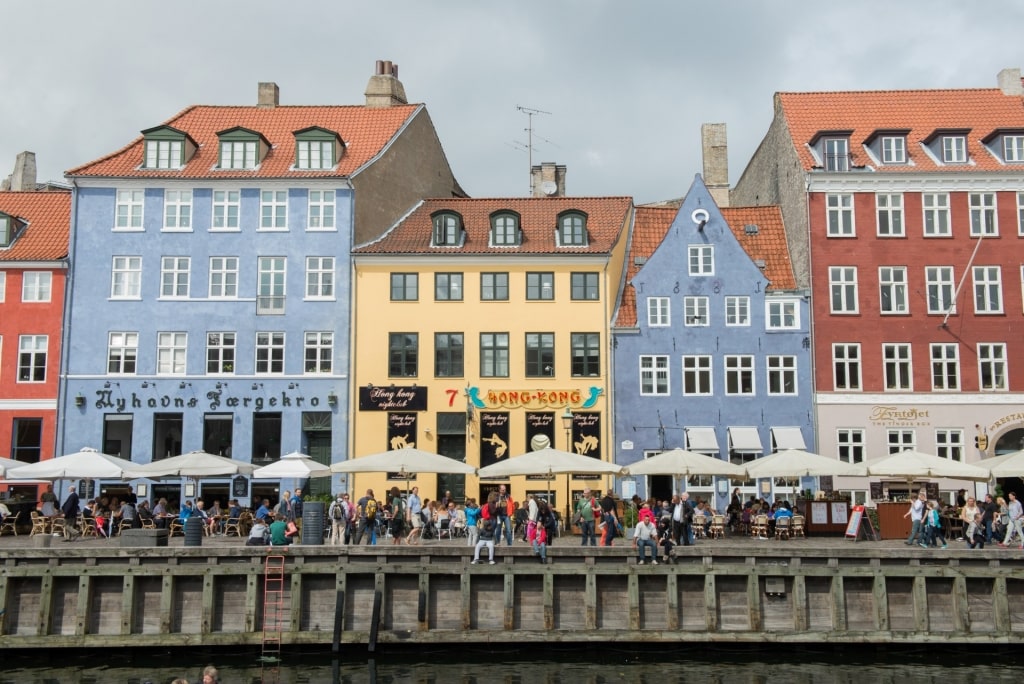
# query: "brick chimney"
{"type": "Point", "coordinates": [24, 176]}
{"type": "Point", "coordinates": [1009, 82]}
{"type": "Point", "coordinates": [715, 153]}
{"type": "Point", "coordinates": [548, 180]}
{"type": "Point", "coordinates": [268, 95]}
{"type": "Point", "coordinates": [384, 88]}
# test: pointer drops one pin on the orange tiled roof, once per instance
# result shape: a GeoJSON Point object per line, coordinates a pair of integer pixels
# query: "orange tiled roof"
{"type": "Point", "coordinates": [606, 217]}
{"type": "Point", "coordinates": [365, 131]}
{"type": "Point", "coordinates": [921, 112]}
{"type": "Point", "coordinates": [48, 215]}
{"type": "Point", "coordinates": [652, 223]}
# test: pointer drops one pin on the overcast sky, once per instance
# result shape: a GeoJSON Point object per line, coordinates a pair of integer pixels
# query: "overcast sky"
{"type": "Point", "coordinates": [627, 84]}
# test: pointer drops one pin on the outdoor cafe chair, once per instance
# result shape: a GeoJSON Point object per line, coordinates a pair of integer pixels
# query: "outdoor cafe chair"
{"type": "Point", "coordinates": [798, 527]}
{"type": "Point", "coordinates": [783, 527]}
{"type": "Point", "coordinates": [699, 526]}
{"type": "Point", "coordinates": [717, 529]}
{"type": "Point", "coordinates": [759, 528]}
{"type": "Point", "coordinates": [10, 523]}
{"type": "Point", "coordinates": [40, 524]}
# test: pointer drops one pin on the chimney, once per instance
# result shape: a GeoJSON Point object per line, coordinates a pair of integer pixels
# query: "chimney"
{"type": "Point", "coordinates": [1009, 82]}
{"type": "Point", "coordinates": [715, 152]}
{"type": "Point", "coordinates": [24, 176]}
{"type": "Point", "coordinates": [384, 88]}
{"type": "Point", "coordinates": [548, 180]}
{"type": "Point", "coordinates": [268, 95]}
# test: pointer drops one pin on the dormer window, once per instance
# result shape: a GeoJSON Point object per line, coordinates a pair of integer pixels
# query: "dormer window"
{"type": "Point", "coordinates": [504, 230]}
{"type": "Point", "coordinates": [894, 149]}
{"type": "Point", "coordinates": [8, 228]}
{"type": "Point", "coordinates": [317, 148]}
{"type": "Point", "coordinates": [1013, 149]}
{"type": "Point", "coordinates": [837, 154]}
{"type": "Point", "coordinates": [954, 149]}
{"type": "Point", "coordinates": [447, 229]}
{"type": "Point", "coordinates": [167, 148]}
{"type": "Point", "coordinates": [241, 148]}
{"type": "Point", "coordinates": [572, 229]}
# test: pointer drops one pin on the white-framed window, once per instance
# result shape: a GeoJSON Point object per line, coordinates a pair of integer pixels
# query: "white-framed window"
{"type": "Point", "coordinates": [936, 214]}
{"type": "Point", "coordinates": [992, 367]}
{"type": "Point", "coordinates": [220, 353]}
{"type": "Point", "coordinates": [782, 375]}
{"type": "Point", "coordinates": [954, 149]}
{"type": "Point", "coordinates": [163, 154]}
{"type": "Point", "coordinates": [223, 277]}
{"type": "Point", "coordinates": [269, 353]}
{"type": "Point", "coordinates": [171, 353]}
{"type": "Point", "coordinates": [739, 374]}
{"type": "Point", "coordinates": [319, 277]}
{"type": "Point", "coordinates": [949, 443]}
{"type": "Point", "coordinates": [1020, 214]}
{"type": "Point", "coordinates": [129, 210]}
{"type": "Point", "coordinates": [843, 284]}
{"type": "Point", "coordinates": [174, 277]}
{"type": "Point", "coordinates": [36, 286]}
{"type": "Point", "coordinates": [32, 350]}
{"type": "Point", "coordinates": [238, 154]}
{"type": "Point", "coordinates": [126, 277]}
{"type": "Point", "coordinates": [695, 310]}
{"type": "Point", "coordinates": [177, 210]}
{"type": "Point", "coordinates": [658, 312]}
{"type": "Point", "coordinates": [850, 443]}
{"type": "Point", "coordinates": [839, 208]}
{"type": "Point", "coordinates": [837, 154]}
{"type": "Point", "coordinates": [1013, 148]}
{"type": "Point", "coordinates": [892, 286]}
{"type": "Point", "coordinates": [945, 367]}
{"type": "Point", "coordinates": [697, 378]}
{"type": "Point", "coordinates": [899, 376]}
{"type": "Point", "coordinates": [846, 366]}
{"type": "Point", "coordinates": [654, 375]}
{"type": "Point", "coordinates": [939, 282]}
{"type": "Point", "coordinates": [889, 208]}
{"type": "Point", "coordinates": [315, 154]}
{"type": "Point", "coordinates": [226, 207]}
{"type": "Point", "coordinates": [984, 221]}
{"type": "Point", "coordinates": [321, 210]}
{"type": "Point", "coordinates": [783, 314]}
{"type": "Point", "coordinates": [273, 210]}
{"type": "Point", "coordinates": [3, 286]}
{"type": "Point", "coordinates": [737, 310]}
{"type": "Point", "coordinates": [319, 352]}
{"type": "Point", "coordinates": [988, 289]}
{"type": "Point", "coordinates": [900, 440]}
{"type": "Point", "coordinates": [270, 297]}
{"type": "Point", "coordinates": [122, 353]}
{"type": "Point", "coordinates": [702, 260]}
{"type": "Point", "coordinates": [894, 149]}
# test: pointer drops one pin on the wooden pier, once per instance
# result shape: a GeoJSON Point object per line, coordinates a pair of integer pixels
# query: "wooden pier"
{"type": "Point", "coordinates": [817, 590]}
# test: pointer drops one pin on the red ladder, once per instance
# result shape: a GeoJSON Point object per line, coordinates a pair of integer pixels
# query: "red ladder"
{"type": "Point", "coordinates": [273, 607]}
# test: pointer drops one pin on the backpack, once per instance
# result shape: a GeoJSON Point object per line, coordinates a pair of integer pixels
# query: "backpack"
{"type": "Point", "coordinates": [371, 509]}
{"type": "Point", "coordinates": [336, 512]}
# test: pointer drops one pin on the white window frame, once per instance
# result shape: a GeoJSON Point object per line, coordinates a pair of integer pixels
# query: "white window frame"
{"type": "Point", "coordinates": [126, 277]}
{"type": "Point", "coordinates": [33, 352]}
{"type": "Point", "coordinates": [1013, 149]}
{"type": "Point", "coordinates": [313, 155]}
{"type": "Point", "coordinates": [843, 297]}
{"type": "Point", "coordinates": [836, 153]}
{"type": "Point", "coordinates": [171, 353]}
{"type": "Point", "coordinates": [223, 277]}
{"type": "Point", "coordinates": [36, 287]}
{"type": "Point", "coordinates": [935, 209]}
{"type": "Point", "coordinates": [654, 375]}
{"type": "Point", "coordinates": [739, 375]}
{"type": "Point", "coordinates": [178, 210]}
{"type": "Point", "coordinates": [320, 278]}
{"type": "Point", "coordinates": [894, 149]}
{"type": "Point", "coordinates": [984, 217]}
{"type": "Point", "coordinates": [128, 213]}
{"type": "Point", "coordinates": [696, 311]}
{"type": "Point", "coordinates": [273, 210]}
{"type": "Point", "coordinates": [949, 443]}
{"type": "Point", "coordinates": [221, 352]}
{"type": "Point", "coordinates": [1020, 214]}
{"type": "Point", "coordinates": [940, 288]}
{"type": "Point", "coordinates": [270, 344]}
{"type": "Point", "coordinates": [782, 373]}
{"type": "Point", "coordinates": [889, 214]}
{"type": "Point", "coordinates": [954, 149]}
{"type": "Point", "coordinates": [850, 445]}
{"type": "Point", "coordinates": [3, 286]}
{"type": "Point", "coordinates": [944, 357]}
{"type": "Point", "coordinates": [992, 364]}
{"type": "Point", "coordinates": [899, 440]}
{"type": "Point", "coordinates": [897, 367]}
{"type": "Point", "coordinates": [318, 352]}
{"type": "Point", "coordinates": [659, 312]}
{"type": "Point", "coordinates": [227, 210]}
{"type": "Point", "coordinates": [699, 374]}
{"type": "Point", "coordinates": [892, 280]}
{"type": "Point", "coordinates": [737, 311]}
{"type": "Point", "coordinates": [701, 260]}
{"type": "Point", "coordinates": [122, 350]}
{"type": "Point", "coordinates": [321, 210]}
{"type": "Point", "coordinates": [782, 314]}
{"type": "Point", "coordinates": [272, 285]}
{"type": "Point", "coordinates": [175, 281]}
{"type": "Point", "coordinates": [239, 154]}
{"type": "Point", "coordinates": [846, 356]}
{"type": "Point", "coordinates": [988, 289]}
{"type": "Point", "coordinates": [163, 154]}
{"type": "Point", "coordinates": [840, 216]}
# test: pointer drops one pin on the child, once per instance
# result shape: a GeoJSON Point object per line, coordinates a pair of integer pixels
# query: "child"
{"type": "Point", "coordinates": [665, 535]}
{"type": "Point", "coordinates": [486, 539]}
{"type": "Point", "coordinates": [933, 527]}
{"type": "Point", "coordinates": [540, 543]}
{"type": "Point", "coordinates": [975, 535]}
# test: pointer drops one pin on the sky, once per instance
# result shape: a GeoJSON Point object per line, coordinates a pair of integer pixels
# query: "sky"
{"type": "Point", "coordinates": [623, 86]}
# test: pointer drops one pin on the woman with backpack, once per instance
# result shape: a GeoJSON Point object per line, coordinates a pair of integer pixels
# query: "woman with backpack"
{"type": "Point", "coordinates": [397, 522]}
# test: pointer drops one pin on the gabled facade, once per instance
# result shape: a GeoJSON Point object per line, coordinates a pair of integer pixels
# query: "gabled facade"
{"type": "Point", "coordinates": [210, 306]}
{"type": "Point", "coordinates": [710, 342]}
{"type": "Point", "coordinates": [905, 214]}
{"type": "Point", "coordinates": [33, 269]}
{"type": "Point", "coordinates": [479, 324]}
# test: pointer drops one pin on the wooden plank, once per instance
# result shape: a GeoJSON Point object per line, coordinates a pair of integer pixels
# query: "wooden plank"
{"type": "Point", "coordinates": [508, 597]}
{"type": "Point", "coordinates": [1001, 605]}
{"type": "Point", "coordinates": [423, 620]}
{"type": "Point", "coordinates": [710, 604]}
{"type": "Point", "coordinates": [467, 601]}
{"type": "Point", "coordinates": [672, 600]}
{"type": "Point", "coordinates": [295, 608]}
{"type": "Point", "coordinates": [633, 590]}
{"type": "Point", "coordinates": [838, 600]}
{"type": "Point", "coordinates": [800, 622]}
{"type": "Point", "coordinates": [920, 593]}
{"type": "Point", "coordinates": [880, 596]}
{"type": "Point", "coordinates": [127, 604]}
{"type": "Point", "coordinates": [961, 607]}
{"type": "Point", "coordinates": [3, 604]}
{"type": "Point", "coordinates": [206, 621]}
{"type": "Point", "coordinates": [45, 605]}
{"type": "Point", "coordinates": [548, 599]}
{"type": "Point", "coordinates": [252, 597]}
{"type": "Point", "coordinates": [590, 601]}
{"type": "Point", "coordinates": [754, 602]}
{"type": "Point", "coordinates": [166, 603]}
{"type": "Point", "coordinates": [82, 611]}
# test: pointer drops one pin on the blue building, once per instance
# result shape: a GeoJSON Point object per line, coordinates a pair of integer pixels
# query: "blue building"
{"type": "Point", "coordinates": [210, 291]}
{"type": "Point", "coordinates": [711, 343]}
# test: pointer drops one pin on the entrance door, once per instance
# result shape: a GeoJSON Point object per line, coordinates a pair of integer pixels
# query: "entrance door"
{"type": "Point", "coordinates": [454, 447]}
{"type": "Point", "coordinates": [660, 487]}
{"type": "Point", "coordinates": [319, 445]}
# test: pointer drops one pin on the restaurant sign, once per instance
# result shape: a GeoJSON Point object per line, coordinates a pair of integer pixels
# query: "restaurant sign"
{"type": "Point", "coordinates": [896, 416]}
{"type": "Point", "coordinates": [533, 399]}
{"type": "Point", "coordinates": [216, 400]}
{"type": "Point", "coordinates": [373, 398]}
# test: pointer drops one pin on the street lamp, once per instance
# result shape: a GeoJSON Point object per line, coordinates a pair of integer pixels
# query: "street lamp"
{"type": "Point", "coordinates": [567, 424]}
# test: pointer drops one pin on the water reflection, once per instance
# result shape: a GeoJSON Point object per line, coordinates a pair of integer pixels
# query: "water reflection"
{"type": "Point", "coordinates": [536, 664]}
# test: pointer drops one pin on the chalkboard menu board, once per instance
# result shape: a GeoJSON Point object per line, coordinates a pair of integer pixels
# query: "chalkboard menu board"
{"type": "Point", "coordinates": [877, 493]}
{"type": "Point", "coordinates": [240, 488]}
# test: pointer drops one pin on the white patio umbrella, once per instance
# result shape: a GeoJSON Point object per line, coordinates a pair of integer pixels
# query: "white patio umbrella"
{"type": "Point", "coordinates": [87, 464]}
{"type": "Point", "coordinates": [409, 460]}
{"type": "Point", "coordinates": [194, 464]}
{"type": "Point", "coordinates": [910, 464]}
{"type": "Point", "coordinates": [1007, 465]}
{"type": "Point", "coordinates": [792, 463]}
{"type": "Point", "coordinates": [683, 463]}
{"type": "Point", "coordinates": [8, 464]}
{"type": "Point", "coordinates": [294, 465]}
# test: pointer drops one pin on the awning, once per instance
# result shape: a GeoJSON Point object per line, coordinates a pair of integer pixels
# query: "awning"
{"type": "Point", "coordinates": [745, 440]}
{"type": "Point", "coordinates": [788, 438]}
{"type": "Point", "coordinates": [702, 440]}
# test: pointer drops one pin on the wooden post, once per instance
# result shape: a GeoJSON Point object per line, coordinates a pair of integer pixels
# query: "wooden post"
{"type": "Point", "coordinates": [633, 597]}
{"type": "Point", "coordinates": [920, 600]}
{"type": "Point", "coordinates": [206, 624]}
{"type": "Point", "coordinates": [509, 618]}
{"type": "Point", "coordinates": [880, 594]}
{"type": "Point", "coordinates": [799, 603]}
{"type": "Point", "coordinates": [1000, 606]}
{"type": "Point", "coordinates": [754, 602]}
{"type": "Point", "coordinates": [295, 619]}
{"type": "Point", "coordinates": [590, 601]}
{"type": "Point", "coordinates": [672, 602]}
{"type": "Point", "coordinates": [252, 597]}
{"type": "Point", "coordinates": [82, 610]}
{"type": "Point", "coordinates": [127, 603]}
{"type": "Point", "coordinates": [838, 599]}
{"type": "Point", "coordinates": [961, 607]}
{"type": "Point", "coordinates": [710, 604]}
{"type": "Point", "coordinates": [3, 605]}
{"type": "Point", "coordinates": [467, 600]}
{"type": "Point", "coordinates": [423, 607]}
{"type": "Point", "coordinates": [549, 600]}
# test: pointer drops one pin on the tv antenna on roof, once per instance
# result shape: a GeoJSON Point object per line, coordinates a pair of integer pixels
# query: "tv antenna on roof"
{"type": "Point", "coordinates": [529, 140]}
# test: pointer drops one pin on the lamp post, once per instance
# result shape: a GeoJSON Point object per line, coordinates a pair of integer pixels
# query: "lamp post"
{"type": "Point", "coordinates": [567, 418]}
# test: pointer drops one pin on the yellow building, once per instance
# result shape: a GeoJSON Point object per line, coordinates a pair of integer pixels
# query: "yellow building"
{"type": "Point", "coordinates": [478, 323]}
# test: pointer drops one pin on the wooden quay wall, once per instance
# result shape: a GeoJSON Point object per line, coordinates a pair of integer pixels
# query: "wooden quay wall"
{"type": "Point", "coordinates": [74, 596]}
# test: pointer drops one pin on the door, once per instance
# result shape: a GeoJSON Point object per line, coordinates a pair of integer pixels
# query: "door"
{"type": "Point", "coordinates": [319, 445]}
{"type": "Point", "coordinates": [452, 446]}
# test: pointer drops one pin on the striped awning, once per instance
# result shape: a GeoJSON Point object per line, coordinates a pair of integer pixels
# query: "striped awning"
{"type": "Point", "coordinates": [788, 438]}
{"type": "Point", "coordinates": [702, 440]}
{"type": "Point", "coordinates": [745, 440]}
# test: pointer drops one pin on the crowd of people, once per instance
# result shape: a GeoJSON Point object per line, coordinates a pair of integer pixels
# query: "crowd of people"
{"type": "Point", "coordinates": [994, 518]}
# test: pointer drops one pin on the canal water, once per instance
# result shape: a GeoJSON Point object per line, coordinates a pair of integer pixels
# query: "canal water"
{"type": "Point", "coordinates": [541, 663]}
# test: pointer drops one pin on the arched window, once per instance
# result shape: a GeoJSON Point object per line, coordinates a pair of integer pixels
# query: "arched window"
{"type": "Point", "coordinates": [447, 227]}
{"type": "Point", "coordinates": [572, 229]}
{"type": "Point", "coordinates": [504, 230]}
